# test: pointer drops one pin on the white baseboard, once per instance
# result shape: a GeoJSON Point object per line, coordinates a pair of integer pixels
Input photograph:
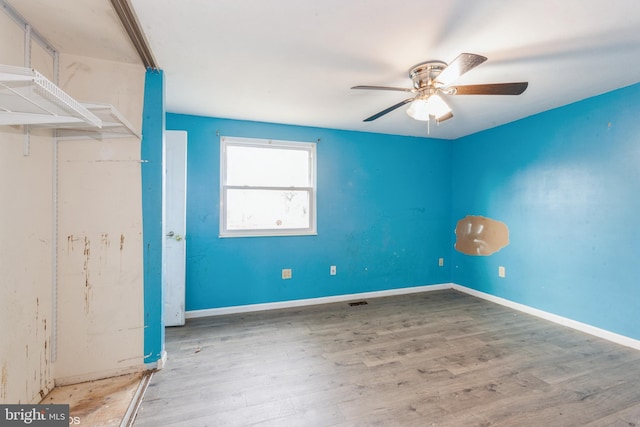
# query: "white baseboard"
{"type": "Point", "coordinates": [573, 324]}
{"type": "Point", "coordinates": [160, 363]}
{"type": "Point", "coordinates": [312, 301]}
{"type": "Point", "coordinates": [583, 327]}
{"type": "Point", "coordinates": [75, 379]}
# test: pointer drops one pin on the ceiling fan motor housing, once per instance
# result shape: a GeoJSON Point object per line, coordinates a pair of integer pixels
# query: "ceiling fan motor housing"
{"type": "Point", "coordinates": [424, 74]}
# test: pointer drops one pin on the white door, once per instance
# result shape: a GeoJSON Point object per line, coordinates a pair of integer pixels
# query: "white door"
{"type": "Point", "coordinates": [174, 226]}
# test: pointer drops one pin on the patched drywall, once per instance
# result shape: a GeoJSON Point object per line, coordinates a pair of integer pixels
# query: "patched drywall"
{"type": "Point", "coordinates": [480, 236]}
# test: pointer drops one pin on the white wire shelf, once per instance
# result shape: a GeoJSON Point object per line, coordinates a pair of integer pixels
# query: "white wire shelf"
{"type": "Point", "coordinates": [29, 98]}
{"type": "Point", "coordinates": [114, 125]}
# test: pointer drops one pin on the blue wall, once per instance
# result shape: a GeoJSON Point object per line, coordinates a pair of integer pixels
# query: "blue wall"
{"type": "Point", "coordinates": [384, 211]}
{"type": "Point", "coordinates": [151, 152]}
{"type": "Point", "coordinates": [567, 184]}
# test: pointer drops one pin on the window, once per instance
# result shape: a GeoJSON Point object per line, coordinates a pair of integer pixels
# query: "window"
{"type": "Point", "coordinates": [267, 188]}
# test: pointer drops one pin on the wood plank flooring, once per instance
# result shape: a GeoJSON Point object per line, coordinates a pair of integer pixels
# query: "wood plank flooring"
{"type": "Point", "coordinates": [439, 358]}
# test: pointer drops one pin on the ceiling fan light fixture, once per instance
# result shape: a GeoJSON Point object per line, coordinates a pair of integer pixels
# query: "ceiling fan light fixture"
{"type": "Point", "coordinates": [423, 108]}
{"type": "Point", "coordinates": [419, 110]}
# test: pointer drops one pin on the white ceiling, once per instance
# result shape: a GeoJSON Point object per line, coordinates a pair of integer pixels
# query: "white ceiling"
{"type": "Point", "coordinates": [294, 61]}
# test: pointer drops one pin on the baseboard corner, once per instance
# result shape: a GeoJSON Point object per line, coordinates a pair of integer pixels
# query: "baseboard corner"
{"type": "Point", "coordinates": [560, 320]}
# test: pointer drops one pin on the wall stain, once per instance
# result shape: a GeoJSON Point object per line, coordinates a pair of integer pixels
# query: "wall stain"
{"type": "Point", "coordinates": [75, 67]}
{"type": "Point", "coordinates": [4, 381]}
{"type": "Point", "coordinates": [70, 240]}
{"type": "Point", "coordinates": [46, 344]}
{"type": "Point", "coordinates": [121, 250]}
{"type": "Point", "coordinates": [45, 373]}
{"type": "Point", "coordinates": [104, 240]}
{"type": "Point", "coordinates": [87, 283]}
{"type": "Point", "coordinates": [37, 315]}
{"type": "Point", "coordinates": [104, 244]}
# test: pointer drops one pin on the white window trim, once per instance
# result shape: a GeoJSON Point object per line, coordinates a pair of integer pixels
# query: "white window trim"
{"type": "Point", "coordinates": [249, 142]}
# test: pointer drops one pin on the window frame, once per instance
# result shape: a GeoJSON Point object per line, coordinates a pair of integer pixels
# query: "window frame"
{"type": "Point", "coordinates": [309, 147]}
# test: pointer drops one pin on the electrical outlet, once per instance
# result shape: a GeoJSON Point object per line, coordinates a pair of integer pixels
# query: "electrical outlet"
{"type": "Point", "coordinates": [286, 273]}
{"type": "Point", "coordinates": [502, 272]}
{"type": "Point", "coordinates": [332, 270]}
{"type": "Point", "coordinates": [440, 262]}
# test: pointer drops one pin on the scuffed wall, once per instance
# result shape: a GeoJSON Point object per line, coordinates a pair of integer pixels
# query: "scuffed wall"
{"type": "Point", "coordinates": [26, 251]}
{"type": "Point", "coordinates": [100, 321]}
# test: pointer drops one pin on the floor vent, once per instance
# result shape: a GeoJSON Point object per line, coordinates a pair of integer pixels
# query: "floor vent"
{"type": "Point", "coordinates": [353, 304]}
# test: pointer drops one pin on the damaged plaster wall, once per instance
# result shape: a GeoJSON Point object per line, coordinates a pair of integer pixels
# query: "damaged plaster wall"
{"type": "Point", "coordinates": [566, 182]}
{"type": "Point", "coordinates": [480, 236]}
{"type": "Point", "coordinates": [26, 251]}
{"type": "Point", "coordinates": [100, 321]}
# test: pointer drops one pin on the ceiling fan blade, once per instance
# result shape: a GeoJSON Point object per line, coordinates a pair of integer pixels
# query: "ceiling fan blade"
{"type": "Point", "coordinates": [463, 63]}
{"type": "Point", "coordinates": [388, 110]}
{"type": "Point", "coordinates": [400, 89]}
{"type": "Point", "coordinates": [491, 89]}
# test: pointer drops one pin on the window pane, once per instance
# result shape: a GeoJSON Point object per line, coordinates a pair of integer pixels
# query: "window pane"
{"type": "Point", "coordinates": [267, 167]}
{"type": "Point", "coordinates": [267, 209]}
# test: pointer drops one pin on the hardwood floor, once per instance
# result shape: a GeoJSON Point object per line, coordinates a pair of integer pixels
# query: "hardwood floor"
{"type": "Point", "coordinates": [439, 358]}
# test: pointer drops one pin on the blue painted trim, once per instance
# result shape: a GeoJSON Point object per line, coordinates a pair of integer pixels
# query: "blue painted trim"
{"type": "Point", "coordinates": [151, 154]}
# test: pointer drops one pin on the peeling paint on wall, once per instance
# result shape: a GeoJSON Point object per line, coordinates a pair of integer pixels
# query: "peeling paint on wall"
{"type": "Point", "coordinates": [480, 236]}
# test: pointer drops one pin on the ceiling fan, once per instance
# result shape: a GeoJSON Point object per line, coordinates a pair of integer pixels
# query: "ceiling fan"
{"type": "Point", "coordinates": [434, 78]}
